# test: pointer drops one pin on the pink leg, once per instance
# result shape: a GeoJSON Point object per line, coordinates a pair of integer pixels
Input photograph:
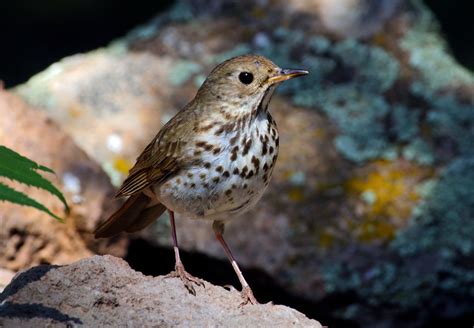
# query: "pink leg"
{"type": "Point", "coordinates": [247, 293]}
{"type": "Point", "coordinates": [179, 272]}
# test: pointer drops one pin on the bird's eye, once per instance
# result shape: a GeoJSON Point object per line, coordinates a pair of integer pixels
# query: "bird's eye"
{"type": "Point", "coordinates": [246, 77]}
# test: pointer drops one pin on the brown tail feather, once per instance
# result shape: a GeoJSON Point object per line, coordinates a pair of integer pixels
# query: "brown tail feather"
{"type": "Point", "coordinates": [125, 217]}
{"type": "Point", "coordinates": [146, 217]}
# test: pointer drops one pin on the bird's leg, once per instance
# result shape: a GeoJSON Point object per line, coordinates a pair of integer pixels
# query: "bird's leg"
{"type": "Point", "coordinates": [179, 270]}
{"type": "Point", "coordinates": [247, 294]}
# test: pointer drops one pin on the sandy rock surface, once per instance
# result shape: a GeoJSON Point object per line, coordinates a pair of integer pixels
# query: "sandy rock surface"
{"type": "Point", "coordinates": [103, 291]}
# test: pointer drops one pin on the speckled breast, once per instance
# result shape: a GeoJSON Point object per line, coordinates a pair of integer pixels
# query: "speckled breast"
{"type": "Point", "coordinates": [233, 172]}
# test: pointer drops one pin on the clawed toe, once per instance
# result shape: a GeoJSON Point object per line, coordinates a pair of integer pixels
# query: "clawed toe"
{"type": "Point", "coordinates": [187, 279]}
{"type": "Point", "coordinates": [248, 297]}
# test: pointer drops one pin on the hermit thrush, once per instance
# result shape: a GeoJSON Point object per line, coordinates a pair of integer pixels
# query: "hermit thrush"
{"type": "Point", "coordinates": [211, 161]}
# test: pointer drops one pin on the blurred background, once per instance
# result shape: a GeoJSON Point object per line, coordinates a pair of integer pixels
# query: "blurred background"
{"type": "Point", "coordinates": [369, 218]}
{"type": "Point", "coordinates": [39, 34]}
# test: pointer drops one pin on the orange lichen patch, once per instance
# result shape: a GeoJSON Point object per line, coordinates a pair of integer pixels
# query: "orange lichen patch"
{"type": "Point", "coordinates": [385, 194]}
{"type": "Point", "coordinates": [122, 165]}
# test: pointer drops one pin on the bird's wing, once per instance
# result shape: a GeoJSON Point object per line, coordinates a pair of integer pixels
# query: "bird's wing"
{"type": "Point", "coordinates": [159, 160]}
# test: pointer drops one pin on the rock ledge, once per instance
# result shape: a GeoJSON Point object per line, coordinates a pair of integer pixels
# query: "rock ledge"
{"type": "Point", "coordinates": [104, 291]}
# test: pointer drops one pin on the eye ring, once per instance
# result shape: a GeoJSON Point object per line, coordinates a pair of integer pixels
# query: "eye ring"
{"type": "Point", "coordinates": [246, 77]}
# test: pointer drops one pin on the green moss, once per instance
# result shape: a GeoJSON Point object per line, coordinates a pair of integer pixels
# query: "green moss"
{"type": "Point", "coordinates": [346, 81]}
{"type": "Point", "coordinates": [423, 261]}
{"type": "Point", "coordinates": [454, 122]}
{"type": "Point", "coordinates": [443, 230]}
{"type": "Point", "coordinates": [404, 122]}
{"type": "Point", "coordinates": [359, 117]}
{"type": "Point", "coordinates": [445, 219]}
{"type": "Point", "coordinates": [418, 151]}
{"type": "Point", "coordinates": [182, 71]}
{"type": "Point", "coordinates": [36, 90]}
{"type": "Point", "coordinates": [374, 69]}
{"type": "Point", "coordinates": [428, 53]}
{"type": "Point", "coordinates": [240, 49]}
{"type": "Point", "coordinates": [180, 11]}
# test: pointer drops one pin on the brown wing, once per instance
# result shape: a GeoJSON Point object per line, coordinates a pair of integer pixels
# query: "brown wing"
{"type": "Point", "coordinates": [159, 160]}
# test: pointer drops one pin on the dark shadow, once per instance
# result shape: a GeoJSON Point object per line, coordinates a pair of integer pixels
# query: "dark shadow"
{"type": "Point", "coordinates": [33, 310]}
{"type": "Point", "coordinates": [35, 34]}
{"type": "Point", "coordinates": [155, 260]}
{"type": "Point", "coordinates": [30, 310]}
{"type": "Point", "coordinates": [24, 279]}
{"type": "Point", "coordinates": [455, 18]}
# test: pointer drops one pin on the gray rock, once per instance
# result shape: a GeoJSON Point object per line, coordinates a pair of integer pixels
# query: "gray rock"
{"type": "Point", "coordinates": [103, 291]}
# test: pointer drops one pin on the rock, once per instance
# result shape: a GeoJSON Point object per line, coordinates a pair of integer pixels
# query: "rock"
{"type": "Point", "coordinates": [104, 291]}
{"type": "Point", "coordinates": [6, 277]}
{"type": "Point", "coordinates": [374, 145]}
{"type": "Point", "coordinates": [351, 18]}
{"type": "Point", "coordinates": [27, 236]}
{"type": "Point", "coordinates": [99, 92]}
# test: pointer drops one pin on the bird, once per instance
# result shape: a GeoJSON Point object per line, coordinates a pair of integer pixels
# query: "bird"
{"type": "Point", "coordinates": [212, 161]}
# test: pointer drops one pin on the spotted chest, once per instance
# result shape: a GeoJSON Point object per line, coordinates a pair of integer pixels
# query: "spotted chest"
{"type": "Point", "coordinates": [233, 169]}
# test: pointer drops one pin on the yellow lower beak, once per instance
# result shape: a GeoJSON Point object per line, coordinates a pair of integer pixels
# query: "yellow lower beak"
{"type": "Point", "coordinates": [286, 74]}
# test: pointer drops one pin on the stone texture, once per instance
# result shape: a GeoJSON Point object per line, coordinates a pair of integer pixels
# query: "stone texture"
{"type": "Point", "coordinates": [103, 291]}
{"type": "Point", "coordinates": [6, 277]}
{"type": "Point", "coordinates": [27, 236]}
{"type": "Point", "coordinates": [99, 92]}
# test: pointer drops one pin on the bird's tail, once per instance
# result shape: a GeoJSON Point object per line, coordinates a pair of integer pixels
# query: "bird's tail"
{"type": "Point", "coordinates": [135, 214]}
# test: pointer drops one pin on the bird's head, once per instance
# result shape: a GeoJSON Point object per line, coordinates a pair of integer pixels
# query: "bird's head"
{"type": "Point", "coordinates": [244, 83]}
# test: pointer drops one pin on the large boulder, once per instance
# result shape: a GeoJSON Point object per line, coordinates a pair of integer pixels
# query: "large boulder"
{"type": "Point", "coordinates": [103, 291]}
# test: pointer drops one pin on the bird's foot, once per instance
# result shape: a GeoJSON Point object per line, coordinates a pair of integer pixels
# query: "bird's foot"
{"type": "Point", "coordinates": [187, 279]}
{"type": "Point", "coordinates": [247, 296]}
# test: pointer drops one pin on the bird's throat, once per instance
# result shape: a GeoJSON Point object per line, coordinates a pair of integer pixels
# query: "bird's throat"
{"type": "Point", "coordinates": [263, 105]}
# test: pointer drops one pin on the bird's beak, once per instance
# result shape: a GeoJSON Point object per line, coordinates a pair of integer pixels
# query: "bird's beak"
{"type": "Point", "coordinates": [286, 74]}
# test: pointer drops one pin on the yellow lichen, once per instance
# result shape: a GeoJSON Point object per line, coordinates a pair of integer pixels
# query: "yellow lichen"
{"type": "Point", "coordinates": [122, 165]}
{"type": "Point", "coordinates": [376, 229]}
{"type": "Point", "coordinates": [385, 196]}
{"type": "Point", "coordinates": [75, 111]}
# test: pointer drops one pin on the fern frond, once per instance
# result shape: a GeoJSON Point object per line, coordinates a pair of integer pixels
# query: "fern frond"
{"type": "Point", "coordinates": [21, 169]}
{"type": "Point", "coordinates": [11, 195]}
{"type": "Point", "coordinates": [8, 153]}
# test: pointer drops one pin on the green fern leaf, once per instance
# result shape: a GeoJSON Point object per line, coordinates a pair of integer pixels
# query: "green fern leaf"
{"type": "Point", "coordinates": [13, 196]}
{"type": "Point", "coordinates": [21, 169]}
{"type": "Point", "coordinates": [8, 153]}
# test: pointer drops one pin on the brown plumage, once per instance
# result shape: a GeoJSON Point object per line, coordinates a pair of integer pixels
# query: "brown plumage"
{"type": "Point", "coordinates": [211, 161]}
{"type": "Point", "coordinates": [134, 215]}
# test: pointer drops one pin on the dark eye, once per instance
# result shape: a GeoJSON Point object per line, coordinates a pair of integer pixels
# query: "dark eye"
{"type": "Point", "coordinates": [246, 77]}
